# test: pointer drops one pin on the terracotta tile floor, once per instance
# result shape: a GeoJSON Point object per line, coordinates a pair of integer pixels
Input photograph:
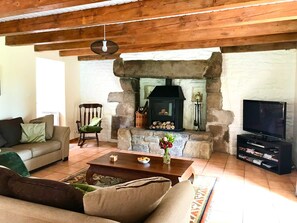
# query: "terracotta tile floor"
{"type": "Point", "coordinates": [243, 193]}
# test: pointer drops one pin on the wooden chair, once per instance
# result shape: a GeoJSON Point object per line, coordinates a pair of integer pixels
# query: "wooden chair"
{"type": "Point", "coordinates": [90, 122]}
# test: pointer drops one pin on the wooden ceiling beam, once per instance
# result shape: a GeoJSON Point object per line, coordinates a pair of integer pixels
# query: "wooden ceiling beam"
{"type": "Point", "coordinates": [261, 47]}
{"type": "Point", "coordinates": [276, 38]}
{"type": "Point", "coordinates": [233, 49]}
{"type": "Point", "coordinates": [254, 41]}
{"type": "Point", "coordinates": [146, 9]}
{"type": "Point", "coordinates": [77, 52]}
{"type": "Point", "coordinates": [97, 57]}
{"type": "Point", "coordinates": [184, 23]}
{"type": "Point", "coordinates": [13, 8]}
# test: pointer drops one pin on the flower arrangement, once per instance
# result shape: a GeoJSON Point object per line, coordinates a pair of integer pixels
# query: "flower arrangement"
{"type": "Point", "coordinates": [167, 141]}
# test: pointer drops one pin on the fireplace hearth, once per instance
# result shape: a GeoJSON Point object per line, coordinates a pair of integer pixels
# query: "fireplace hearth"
{"type": "Point", "coordinates": [166, 106]}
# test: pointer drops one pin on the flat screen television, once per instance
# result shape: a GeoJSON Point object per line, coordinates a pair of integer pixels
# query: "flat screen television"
{"type": "Point", "coordinates": [266, 118]}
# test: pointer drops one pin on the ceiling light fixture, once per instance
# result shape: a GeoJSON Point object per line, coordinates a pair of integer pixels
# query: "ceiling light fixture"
{"type": "Point", "coordinates": [104, 47]}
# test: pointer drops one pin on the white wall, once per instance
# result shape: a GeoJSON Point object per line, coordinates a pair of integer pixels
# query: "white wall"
{"type": "Point", "coordinates": [262, 75]}
{"type": "Point", "coordinates": [18, 78]}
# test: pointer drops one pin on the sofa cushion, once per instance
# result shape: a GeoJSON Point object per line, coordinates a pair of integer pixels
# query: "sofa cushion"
{"type": "Point", "coordinates": [5, 175]}
{"type": "Point", "coordinates": [23, 151]}
{"type": "Point", "coordinates": [127, 202]}
{"type": "Point", "coordinates": [49, 124]}
{"type": "Point", "coordinates": [39, 149]}
{"type": "Point", "coordinates": [46, 192]}
{"type": "Point", "coordinates": [33, 132]}
{"type": "Point", "coordinates": [11, 131]}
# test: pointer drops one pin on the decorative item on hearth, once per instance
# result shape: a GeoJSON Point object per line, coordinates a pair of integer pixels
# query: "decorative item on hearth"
{"type": "Point", "coordinates": [166, 143]}
{"type": "Point", "coordinates": [198, 108]}
{"type": "Point", "coordinates": [104, 47]}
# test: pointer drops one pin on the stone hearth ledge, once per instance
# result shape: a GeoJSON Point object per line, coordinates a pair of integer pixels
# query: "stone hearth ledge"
{"type": "Point", "coordinates": [190, 144]}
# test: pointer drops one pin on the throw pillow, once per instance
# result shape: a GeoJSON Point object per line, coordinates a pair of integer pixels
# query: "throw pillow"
{"type": "Point", "coordinates": [95, 121]}
{"type": "Point", "coordinates": [84, 188]}
{"type": "Point", "coordinates": [46, 192]}
{"type": "Point", "coordinates": [33, 133]}
{"type": "Point", "coordinates": [5, 175]}
{"type": "Point", "coordinates": [11, 131]}
{"type": "Point", "coordinates": [49, 125]}
{"type": "Point", "coordinates": [127, 202]}
{"type": "Point", "coordinates": [2, 141]}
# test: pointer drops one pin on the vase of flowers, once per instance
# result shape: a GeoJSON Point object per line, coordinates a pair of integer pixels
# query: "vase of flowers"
{"type": "Point", "coordinates": [166, 143]}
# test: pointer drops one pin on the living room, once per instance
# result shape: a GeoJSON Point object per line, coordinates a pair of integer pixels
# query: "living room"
{"type": "Point", "coordinates": [84, 83]}
{"type": "Point", "coordinates": [264, 75]}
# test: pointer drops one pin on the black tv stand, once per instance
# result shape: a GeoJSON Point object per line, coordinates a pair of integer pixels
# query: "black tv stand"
{"type": "Point", "coordinates": [265, 138]}
{"type": "Point", "coordinates": [275, 156]}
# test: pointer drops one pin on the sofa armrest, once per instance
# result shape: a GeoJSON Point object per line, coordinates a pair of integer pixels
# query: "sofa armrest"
{"type": "Point", "coordinates": [175, 206]}
{"type": "Point", "coordinates": [19, 211]}
{"type": "Point", "coordinates": [62, 134]}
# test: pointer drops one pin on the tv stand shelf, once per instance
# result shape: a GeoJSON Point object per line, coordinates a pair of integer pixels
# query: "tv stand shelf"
{"type": "Point", "coordinates": [275, 156]}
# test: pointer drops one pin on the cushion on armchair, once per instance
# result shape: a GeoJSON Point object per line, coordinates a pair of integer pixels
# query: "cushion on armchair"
{"type": "Point", "coordinates": [94, 126]}
{"type": "Point", "coordinates": [95, 121]}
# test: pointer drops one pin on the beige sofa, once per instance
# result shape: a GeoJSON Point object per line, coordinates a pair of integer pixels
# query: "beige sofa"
{"type": "Point", "coordinates": [35, 155]}
{"type": "Point", "coordinates": [175, 207]}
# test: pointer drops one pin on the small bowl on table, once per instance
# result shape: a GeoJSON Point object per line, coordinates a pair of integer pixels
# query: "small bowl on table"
{"type": "Point", "coordinates": [143, 159]}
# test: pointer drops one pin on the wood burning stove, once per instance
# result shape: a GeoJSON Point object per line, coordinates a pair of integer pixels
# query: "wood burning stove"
{"type": "Point", "coordinates": [166, 108]}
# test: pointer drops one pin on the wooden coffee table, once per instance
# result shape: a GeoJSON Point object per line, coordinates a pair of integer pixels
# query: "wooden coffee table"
{"type": "Point", "coordinates": [127, 167]}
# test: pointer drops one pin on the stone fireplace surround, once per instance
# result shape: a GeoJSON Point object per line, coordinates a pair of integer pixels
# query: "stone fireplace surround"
{"type": "Point", "coordinates": [188, 143]}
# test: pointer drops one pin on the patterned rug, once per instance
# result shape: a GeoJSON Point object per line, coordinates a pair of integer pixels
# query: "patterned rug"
{"type": "Point", "coordinates": [203, 186]}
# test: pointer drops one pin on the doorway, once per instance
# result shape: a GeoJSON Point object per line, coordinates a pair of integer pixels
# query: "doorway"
{"type": "Point", "coordinates": [50, 89]}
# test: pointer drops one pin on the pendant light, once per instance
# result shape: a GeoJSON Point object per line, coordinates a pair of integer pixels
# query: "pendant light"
{"type": "Point", "coordinates": [104, 47]}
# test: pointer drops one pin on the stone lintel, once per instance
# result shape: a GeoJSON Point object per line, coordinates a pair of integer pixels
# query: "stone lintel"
{"type": "Point", "coordinates": [178, 69]}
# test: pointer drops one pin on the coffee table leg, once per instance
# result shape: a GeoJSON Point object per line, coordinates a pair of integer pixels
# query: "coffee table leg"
{"type": "Point", "coordinates": [89, 175]}
{"type": "Point", "coordinates": [191, 179]}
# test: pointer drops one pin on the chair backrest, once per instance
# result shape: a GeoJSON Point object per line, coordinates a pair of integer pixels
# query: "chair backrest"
{"type": "Point", "coordinates": [89, 111]}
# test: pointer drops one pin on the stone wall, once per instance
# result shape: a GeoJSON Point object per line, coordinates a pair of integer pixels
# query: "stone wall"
{"type": "Point", "coordinates": [218, 120]}
{"type": "Point", "coordinates": [187, 143]}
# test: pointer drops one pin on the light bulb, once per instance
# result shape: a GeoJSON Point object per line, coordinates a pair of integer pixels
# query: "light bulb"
{"type": "Point", "coordinates": [104, 46]}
